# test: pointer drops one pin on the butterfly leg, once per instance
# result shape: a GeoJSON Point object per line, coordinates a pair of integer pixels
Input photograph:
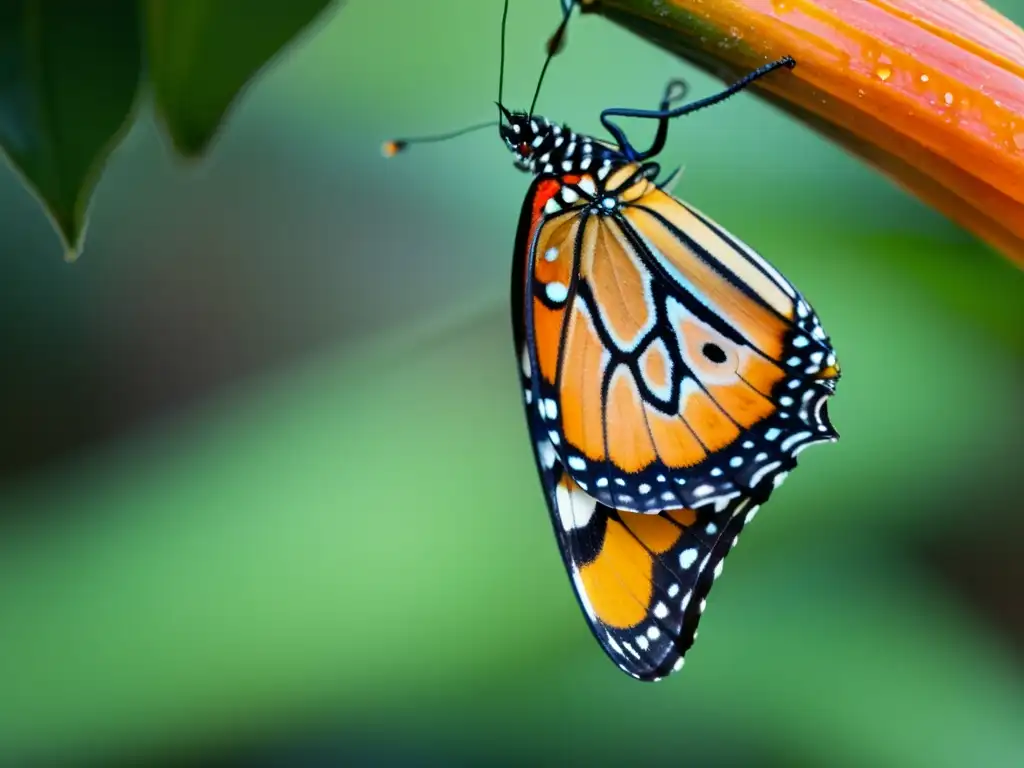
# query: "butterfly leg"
{"type": "Point", "coordinates": [675, 91]}
{"type": "Point", "coordinates": [666, 112]}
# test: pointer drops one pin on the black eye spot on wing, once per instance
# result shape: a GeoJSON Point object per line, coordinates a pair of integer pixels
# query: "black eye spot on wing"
{"type": "Point", "coordinates": [714, 353]}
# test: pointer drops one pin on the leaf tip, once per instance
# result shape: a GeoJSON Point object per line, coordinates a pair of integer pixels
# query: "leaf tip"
{"type": "Point", "coordinates": [69, 226]}
{"type": "Point", "coordinates": [71, 254]}
{"type": "Point", "coordinates": [190, 145]}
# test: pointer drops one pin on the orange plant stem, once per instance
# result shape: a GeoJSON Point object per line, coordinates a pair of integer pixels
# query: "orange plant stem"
{"type": "Point", "coordinates": [931, 92]}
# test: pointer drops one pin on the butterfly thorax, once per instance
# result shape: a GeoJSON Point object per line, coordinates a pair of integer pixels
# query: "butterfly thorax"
{"type": "Point", "coordinates": [542, 147]}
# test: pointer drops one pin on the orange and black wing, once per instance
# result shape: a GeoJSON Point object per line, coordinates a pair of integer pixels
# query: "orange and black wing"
{"type": "Point", "coordinates": [669, 364]}
{"type": "Point", "coordinates": [670, 376]}
{"type": "Point", "coordinates": [642, 580]}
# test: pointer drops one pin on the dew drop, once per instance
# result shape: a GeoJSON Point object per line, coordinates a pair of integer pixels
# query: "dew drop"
{"type": "Point", "coordinates": [949, 99]}
{"type": "Point", "coordinates": [1018, 139]}
{"type": "Point", "coordinates": [884, 73]}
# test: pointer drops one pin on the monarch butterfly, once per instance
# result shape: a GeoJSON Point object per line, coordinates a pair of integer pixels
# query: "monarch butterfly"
{"type": "Point", "coordinates": [670, 375]}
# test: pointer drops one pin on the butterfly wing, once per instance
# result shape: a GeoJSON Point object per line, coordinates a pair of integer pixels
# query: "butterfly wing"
{"type": "Point", "coordinates": [642, 580]}
{"type": "Point", "coordinates": [662, 347]}
{"type": "Point", "coordinates": [667, 370]}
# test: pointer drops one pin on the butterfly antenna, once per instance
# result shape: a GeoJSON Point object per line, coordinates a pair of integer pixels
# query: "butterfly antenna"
{"type": "Point", "coordinates": [501, 61]}
{"type": "Point", "coordinates": [555, 45]}
{"type": "Point", "coordinates": [392, 147]}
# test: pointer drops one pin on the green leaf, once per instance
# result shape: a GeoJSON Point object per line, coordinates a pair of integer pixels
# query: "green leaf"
{"type": "Point", "coordinates": [69, 72]}
{"type": "Point", "coordinates": [203, 52]}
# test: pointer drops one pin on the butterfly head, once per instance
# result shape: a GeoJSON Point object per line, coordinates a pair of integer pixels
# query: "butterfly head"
{"type": "Point", "coordinates": [528, 138]}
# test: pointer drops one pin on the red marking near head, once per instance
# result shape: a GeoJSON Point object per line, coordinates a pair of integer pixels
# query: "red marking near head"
{"type": "Point", "coordinates": [545, 191]}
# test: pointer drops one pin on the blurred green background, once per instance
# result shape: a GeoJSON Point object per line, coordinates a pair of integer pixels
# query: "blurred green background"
{"type": "Point", "coordinates": [266, 493]}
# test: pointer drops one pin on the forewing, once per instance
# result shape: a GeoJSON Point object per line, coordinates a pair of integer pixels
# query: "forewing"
{"type": "Point", "coordinates": [675, 366]}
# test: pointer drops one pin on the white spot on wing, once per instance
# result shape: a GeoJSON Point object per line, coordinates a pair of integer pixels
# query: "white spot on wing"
{"type": "Point", "coordinates": [792, 440]}
{"type": "Point", "coordinates": [723, 501]}
{"type": "Point", "coordinates": [687, 558]}
{"type": "Point", "coordinates": [556, 292]}
{"type": "Point", "coordinates": [550, 408]}
{"type": "Point", "coordinates": [547, 454]}
{"type": "Point", "coordinates": [613, 644]}
{"type": "Point", "coordinates": [575, 508]}
{"type": "Point", "coordinates": [758, 476]}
